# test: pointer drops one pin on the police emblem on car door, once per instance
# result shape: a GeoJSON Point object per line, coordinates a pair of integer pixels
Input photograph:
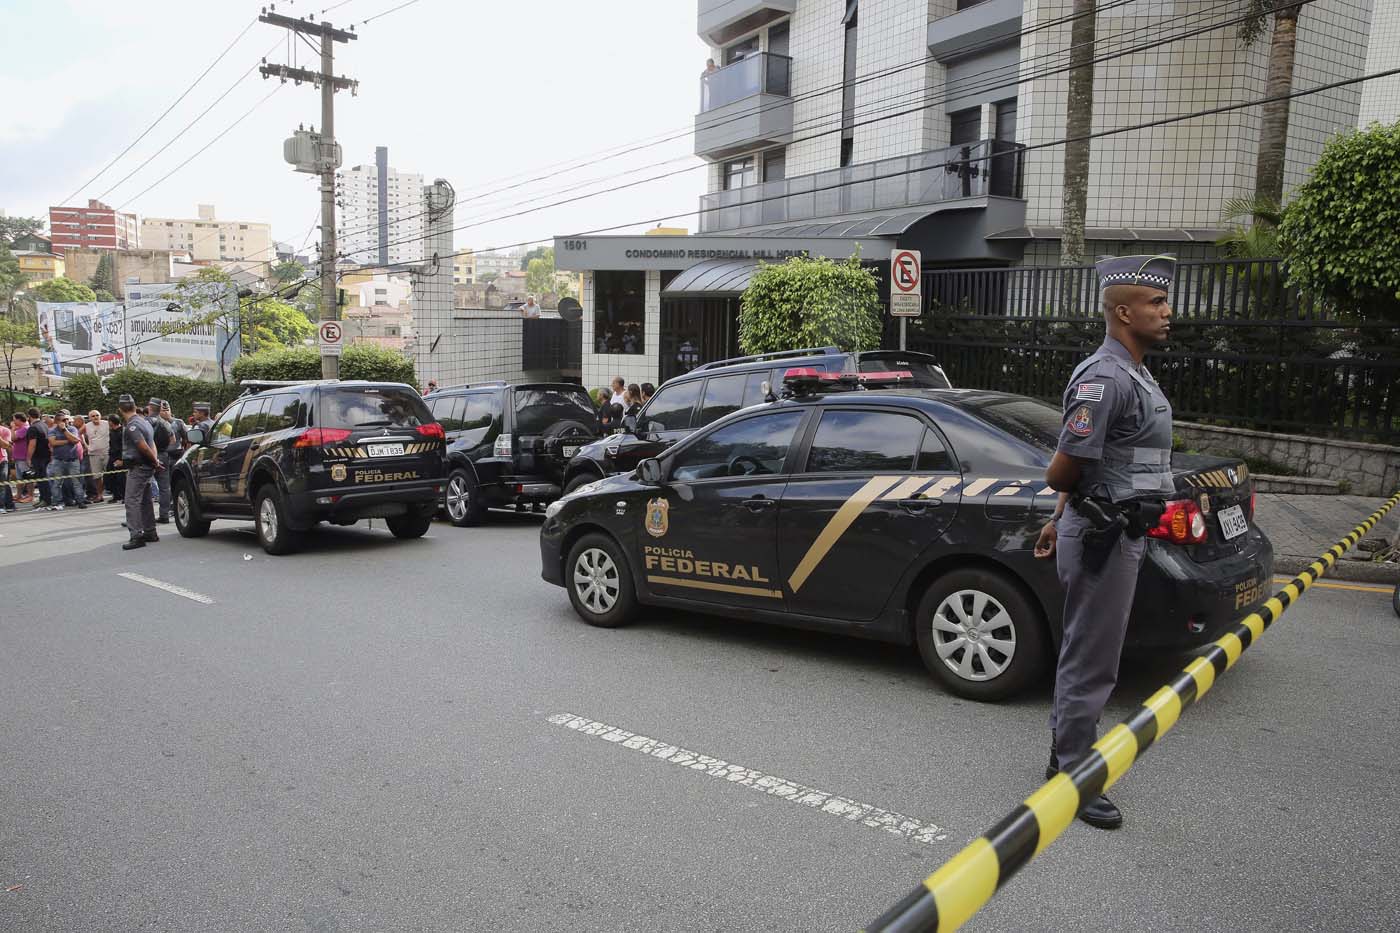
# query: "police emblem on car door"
{"type": "Point", "coordinates": [658, 517]}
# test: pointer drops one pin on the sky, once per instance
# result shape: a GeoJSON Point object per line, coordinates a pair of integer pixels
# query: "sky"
{"type": "Point", "coordinates": [484, 94]}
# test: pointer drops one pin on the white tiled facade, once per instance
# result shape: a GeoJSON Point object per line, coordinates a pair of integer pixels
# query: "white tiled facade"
{"type": "Point", "coordinates": [357, 222]}
{"type": "Point", "coordinates": [1380, 99]}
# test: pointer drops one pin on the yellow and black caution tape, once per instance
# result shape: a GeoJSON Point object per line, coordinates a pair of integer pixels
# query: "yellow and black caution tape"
{"type": "Point", "coordinates": [951, 895]}
{"type": "Point", "coordinates": [49, 479]}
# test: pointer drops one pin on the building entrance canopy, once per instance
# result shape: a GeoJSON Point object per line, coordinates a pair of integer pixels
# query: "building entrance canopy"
{"type": "Point", "coordinates": [713, 278]}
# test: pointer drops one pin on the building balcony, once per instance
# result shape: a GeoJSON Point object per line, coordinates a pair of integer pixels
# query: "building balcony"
{"type": "Point", "coordinates": [719, 21]}
{"type": "Point", "coordinates": [745, 105]}
{"type": "Point", "coordinates": [975, 26]}
{"type": "Point", "coordinates": [989, 168]}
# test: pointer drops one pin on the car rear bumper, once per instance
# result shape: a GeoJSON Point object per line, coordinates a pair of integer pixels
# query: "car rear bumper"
{"type": "Point", "coordinates": [523, 488]}
{"type": "Point", "coordinates": [388, 500]}
{"type": "Point", "coordinates": [1181, 604]}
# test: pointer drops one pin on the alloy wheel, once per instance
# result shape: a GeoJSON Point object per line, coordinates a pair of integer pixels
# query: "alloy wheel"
{"type": "Point", "coordinates": [459, 498]}
{"type": "Point", "coordinates": [596, 580]}
{"type": "Point", "coordinates": [974, 635]}
{"type": "Point", "coordinates": [267, 520]}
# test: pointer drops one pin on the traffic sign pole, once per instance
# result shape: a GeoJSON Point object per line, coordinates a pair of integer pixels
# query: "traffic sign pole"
{"type": "Point", "coordinates": [906, 289]}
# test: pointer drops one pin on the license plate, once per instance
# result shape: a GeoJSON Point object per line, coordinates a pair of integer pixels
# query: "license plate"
{"type": "Point", "coordinates": [1232, 522]}
{"type": "Point", "coordinates": [570, 451]}
{"type": "Point", "coordinates": [385, 450]}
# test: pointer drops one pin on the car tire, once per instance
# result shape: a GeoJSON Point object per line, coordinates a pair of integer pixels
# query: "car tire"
{"type": "Point", "coordinates": [188, 520]}
{"type": "Point", "coordinates": [461, 499]}
{"type": "Point", "coordinates": [412, 525]}
{"type": "Point", "coordinates": [980, 635]}
{"type": "Point", "coordinates": [583, 479]}
{"type": "Point", "coordinates": [599, 582]}
{"type": "Point", "coordinates": [270, 518]}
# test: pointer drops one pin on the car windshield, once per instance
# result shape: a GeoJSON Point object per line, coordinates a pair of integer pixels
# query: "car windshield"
{"type": "Point", "coordinates": [926, 373]}
{"type": "Point", "coordinates": [538, 408]}
{"type": "Point", "coordinates": [373, 407]}
{"type": "Point", "coordinates": [1029, 420]}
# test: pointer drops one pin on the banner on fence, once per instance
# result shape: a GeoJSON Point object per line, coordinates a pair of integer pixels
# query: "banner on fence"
{"type": "Point", "coordinates": [80, 337]}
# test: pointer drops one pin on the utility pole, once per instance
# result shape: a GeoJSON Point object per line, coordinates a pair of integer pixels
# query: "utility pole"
{"type": "Point", "coordinates": [325, 157]}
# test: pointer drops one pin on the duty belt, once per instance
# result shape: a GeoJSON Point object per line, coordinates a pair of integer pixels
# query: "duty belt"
{"type": "Point", "coordinates": [1112, 520]}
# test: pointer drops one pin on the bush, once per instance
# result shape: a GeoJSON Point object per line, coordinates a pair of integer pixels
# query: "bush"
{"type": "Point", "coordinates": [810, 303]}
{"type": "Point", "coordinates": [85, 392]}
{"type": "Point", "coordinates": [360, 361]}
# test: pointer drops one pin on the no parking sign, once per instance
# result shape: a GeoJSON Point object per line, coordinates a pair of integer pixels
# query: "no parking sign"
{"type": "Point", "coordinates": [906, 283]}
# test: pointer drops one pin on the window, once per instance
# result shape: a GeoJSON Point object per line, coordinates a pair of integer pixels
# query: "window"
{"type": "Point", "coordinates": [1006, 120]}
{"type": "Point", "coordinates": [848, 148]}
{"type": "Point", "coordinates": [671, 407]}
{"type": "Point", "coordinates": [752, 447]}
{"type": "Point", "coordinates": [742, 49]}
{"type": "Point", "coordinates": [222, 432]}
{"type": "Point", "coordinates": [385, 407]}
{"type": "Point", "coordinates": [477, 420]}
{"type": "Point", "coordinates": [965, 126]}
{"type": "Point", "coordinates": [933, 456]}
{"type": "Point", "coordinates": [864, 441]}
{"type": "Point", "coordinates": [282, 412]}
{"type": "Point", "coordinates": [753, 388]}
{"type": "Point", "coordinates": [448, 412]}
{"type": "Point", "coordinates": [848, 83]}
{"type": "Point", "coordinates": [619, 311]}
{"type": "Point", "coordinates": [739, 173]}
{"type": "Point", "coordinates": [775, 165]}
{"type": "Point", "coordinates": [778, 35]}
{"type": "Point", "coordinates": [723, 394]}
{"type": "Point", "coordinates": [537, 409]}
{"type": "Point", "coordinates": [251, 420]}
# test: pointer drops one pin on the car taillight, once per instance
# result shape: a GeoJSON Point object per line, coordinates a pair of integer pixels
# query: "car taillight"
{"type": "Point", "coordinates": [319, 437]}
{"type": "Point", "coordinates": [432, 430]}
{"type": "Point", "coordinates": [502, 447]}
{"type": "Point", "coordinates": [1181, 523]}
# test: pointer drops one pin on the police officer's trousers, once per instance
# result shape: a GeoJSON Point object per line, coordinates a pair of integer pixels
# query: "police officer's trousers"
{"type": "Point", "coordinates": [163, 484]}
{"type": "Point", "coordinates": [140, 511]}
{"type": "Point", "coordinates": [1096, 620]}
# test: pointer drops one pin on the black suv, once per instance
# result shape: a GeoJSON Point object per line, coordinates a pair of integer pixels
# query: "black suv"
{"type": "Point", "coordinates": [292, 454]}
{"type": "Point", "coordinates": [712, 390]}
{"type": "Point", "coordinates": [509, 444]}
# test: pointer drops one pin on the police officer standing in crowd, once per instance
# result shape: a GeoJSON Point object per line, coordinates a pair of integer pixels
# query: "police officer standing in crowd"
{"type": "Point", "coordinates": [142, 460]}
{"type": "Point", "coordinates": [202, 419]}
{"type": "Point", "coordinates": [163, 438]}
{"type": "Point", "coordinates": [178, 433]}
{"type": "Point", "coordinates": [1113, 470]}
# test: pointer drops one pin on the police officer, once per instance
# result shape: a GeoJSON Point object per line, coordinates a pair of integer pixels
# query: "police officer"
{"type": "Point", "coordinates": [178, 437]}
{"type": "Point", "coordinates": [203, 421]}
{"type": "Point", "coordinates": [164, 437]}
{"type": "Point", "coordinates": [142, 460]}
{"type": "Point", "coordinates": [1112, 465]}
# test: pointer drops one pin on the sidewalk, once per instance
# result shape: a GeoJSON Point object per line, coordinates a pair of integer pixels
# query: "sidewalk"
{"type": "Point", "coordinates": [1302, 527]}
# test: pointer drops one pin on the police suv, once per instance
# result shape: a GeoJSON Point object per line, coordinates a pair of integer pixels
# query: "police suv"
{"type": "Point", "coordinates": [290, 455]}
{"type": "Point", "coordinates": [857, 504]}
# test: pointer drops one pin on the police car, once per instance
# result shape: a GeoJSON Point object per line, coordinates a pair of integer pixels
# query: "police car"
{"type": "Point", "coordinates": [290, 455]}
{"type": "Point", "coordinates": [860, 505]}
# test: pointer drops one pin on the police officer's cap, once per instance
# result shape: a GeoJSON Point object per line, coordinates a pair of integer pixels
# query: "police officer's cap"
{"type": "Point", "coordinates": [153, 402]}
{"type": "Point", "coordinates": [125, 399]}
{"type": "Point", "coordinates": [1150, 271]}
{"type": "Point", "coordinates": [200, 406]}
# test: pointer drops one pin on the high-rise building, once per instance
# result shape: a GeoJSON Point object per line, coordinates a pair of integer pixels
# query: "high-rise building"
{"type": "Point", "coordinates": [208, 239]}
{"type": "Point", "coordinates": [97, 226]}
{"type": "Point", "coordinates": [381, 215]}
{"type": "Point", "coordinates": [1380, 99]}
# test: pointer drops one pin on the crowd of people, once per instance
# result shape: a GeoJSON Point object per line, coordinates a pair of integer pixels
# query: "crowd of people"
{"type": "Point", "coordinates": [620, 401]}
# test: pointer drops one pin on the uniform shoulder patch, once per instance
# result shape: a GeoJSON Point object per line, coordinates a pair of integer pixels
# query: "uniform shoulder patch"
{"type": "Point", "coordinates": [1081, 423]}
{"type": "Point", "coordinates": [1089, 392]}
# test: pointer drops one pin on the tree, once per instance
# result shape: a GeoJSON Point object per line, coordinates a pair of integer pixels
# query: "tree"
{"type": "Point", "coordinates": [1273, 123]}
{"type": "Point", "coordinates": [61, 289]}
{"type": "Point", "coordinates": [268, 322]}
{"type": "Point", "coordinates": [11, 281]}
{"type": "Point", "coordinates": [1341, 231]}
{"type": "Point", "coordinates": [810, 303]}
{"type": "Point", "coordinates": [539, 273]}
{"type": "Point", "coordinates": [13, 336]}
{"type": "Point", "coordinates": [288, 271]}
{"type": "Point", "coordinates": [102, 277]}
{"type": "Point", "coordinates": [12, 227]}
{"type": "Point", "coordinates": [537, 253]}
{"type": "Point", "coordinates": [1258, 239]}
{"type": "Point", "coordinates": [360, 361]}
{"type": "Point", "coordinates": [1079, 122]}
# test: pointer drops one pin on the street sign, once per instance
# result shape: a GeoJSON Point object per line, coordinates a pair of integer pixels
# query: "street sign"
{"type": "Point", "coordinates": [332, 338]}
{"type": "Point", "coordinates": [906, 283]}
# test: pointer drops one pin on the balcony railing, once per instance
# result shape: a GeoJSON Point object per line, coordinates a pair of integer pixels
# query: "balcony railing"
{"type": "Point", "coordinates": [989, 167]}
{"type": "Point", "coordinates": [760, 73]}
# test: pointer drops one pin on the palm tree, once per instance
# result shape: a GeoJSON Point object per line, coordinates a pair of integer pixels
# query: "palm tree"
{"type": "Point", "coordinates": [1273, 127]}
{"type": "Point", "coordinates": [1258, 239]}
{"type": "Point", "coordinates": [1079, 122]}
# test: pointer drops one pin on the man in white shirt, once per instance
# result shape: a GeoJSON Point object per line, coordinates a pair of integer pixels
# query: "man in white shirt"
{"type": "Point", "coordinates": [619, 390]}
{"type": "Point", "coordinates": [531, 309]}
{"type": "Point", "coordinates": [95, 438]}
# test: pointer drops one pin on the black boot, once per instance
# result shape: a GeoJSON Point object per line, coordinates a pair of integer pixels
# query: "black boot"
{"type": "Point", "coordinates": [1101, 814]}
{"type": "Point", "coordinates": [133, 544]}
{"type": "Point", "coordinates": [150, 536]}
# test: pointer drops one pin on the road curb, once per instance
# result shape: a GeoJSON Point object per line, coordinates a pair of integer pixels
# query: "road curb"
{"type": "Point", "coordinates": [1357, 571]}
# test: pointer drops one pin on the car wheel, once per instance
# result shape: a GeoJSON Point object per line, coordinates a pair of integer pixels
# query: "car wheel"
{"type": "Point", "coordinates": [599, 582]}
{"type": "Point", "coordinates": [979, 634]}
{"type": "Point", "coordinates": [583, 479]}
{"type": "Point", "coordinates": [270, 517]}
{"type": "Point", "coordinates": [409, 526]}
{"type": "Point", "coordinates": [187, 515]}
{"type": "Point", "coordinates": [461, 500]}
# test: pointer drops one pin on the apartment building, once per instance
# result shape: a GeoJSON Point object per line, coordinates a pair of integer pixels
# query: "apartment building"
{"type": "Point", "coordinates": [831, 127]}
{"type": "Point", "coordinates": [208, 239]}
{"type": "Point", "coordinates": [381, 216]}
{"type": "Point", "coordinates": [97, 226]}
{"type": "Point", "coordinates": [1380, 99]}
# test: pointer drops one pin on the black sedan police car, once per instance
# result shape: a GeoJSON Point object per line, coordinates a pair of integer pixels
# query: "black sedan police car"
{"type": "Point", "coordinates": [900, 514]}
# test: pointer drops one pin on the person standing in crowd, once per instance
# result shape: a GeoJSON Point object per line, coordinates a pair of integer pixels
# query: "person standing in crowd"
{"type": "Point", "coordinates": [19, 454]}
{"type": "Point", "coordinates": [204, 422]}
{"type": "Point", "coordinates": [39, 458]}
{"type": "Point", "coordinates": [648, 390]}
{"type": "Point", "coordinates": [619, 391]}
{"type": "Point", "coordinates": [116, 483]}
{"type": "Point", "coordinates": [1113, 462]}
{"type": "Point", "coordinates": [140, 454]}
{"type": "Point", "coordinates": [7, 495]}
{"type": "Point", "coordinates": [96, 436]}
{"type": "Point", "coordinates": [633, 403]}
{"type": "Point", "coordinates": [179, 433]}
{"type": "Point", "coordinates": [431, 388]}
{"type": "Point", "coordinates": [161, 438]}
{"type": "Point", "coordinates": [64, 447]}
{"type": "Point", "coordinates": [530, 309]}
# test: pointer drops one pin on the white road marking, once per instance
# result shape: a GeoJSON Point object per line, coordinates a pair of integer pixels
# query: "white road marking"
{"type": "Point", "coordinates": [168, 587]}
{"type": "Point", "coordinates": [851, 810]}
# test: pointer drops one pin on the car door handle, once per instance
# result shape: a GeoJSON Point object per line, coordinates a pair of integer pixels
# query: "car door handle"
{"type": "Point", "coordinates": [918, 506]}
{"type": "Point", "coordinates": [759, 503]}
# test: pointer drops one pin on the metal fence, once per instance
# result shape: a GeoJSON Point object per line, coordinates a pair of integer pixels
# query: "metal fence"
{"type": "Point", "coordinates": [1246, 350]}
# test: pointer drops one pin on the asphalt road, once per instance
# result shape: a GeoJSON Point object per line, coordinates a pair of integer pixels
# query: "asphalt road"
{"type": "Point", "coordinates": [372, 735]}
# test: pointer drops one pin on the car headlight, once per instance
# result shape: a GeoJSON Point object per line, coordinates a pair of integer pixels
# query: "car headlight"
{"type": "Point", "coordinates": [554, 508]}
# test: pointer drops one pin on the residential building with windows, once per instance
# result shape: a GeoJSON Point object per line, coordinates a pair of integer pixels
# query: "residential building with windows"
{"type": "Point", "coordinates": [381, 216]}
{"type": "Point", "coordinates": [831, 127]}
{"type": "Point", "coordinates": [1380, 99]}
{"type": "Point", "coordinates": [36, 257]}
{"type": "Point", "coordinates": [464, 268]}
{"type": "Point", "coordinates": [208, 239]}
{"type": "Point", "coordinates": [496, 264]}
{"type": "Point", "coordinates": [97, 226]}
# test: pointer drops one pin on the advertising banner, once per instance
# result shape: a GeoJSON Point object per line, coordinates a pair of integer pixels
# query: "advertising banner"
{"type": "Point", "coordinates": [81, 337]}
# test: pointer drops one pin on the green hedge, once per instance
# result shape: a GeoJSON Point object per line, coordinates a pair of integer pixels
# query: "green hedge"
{"type": "Point", "coordinates": [85, 393]}
{"type": "Point", "coordinates": [360, 361]}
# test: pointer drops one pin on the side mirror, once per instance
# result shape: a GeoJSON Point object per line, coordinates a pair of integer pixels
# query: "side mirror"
{"type": "Point", "coordinates": [649, 472]}
{"type": "Point", "coordinates": [196, 435]}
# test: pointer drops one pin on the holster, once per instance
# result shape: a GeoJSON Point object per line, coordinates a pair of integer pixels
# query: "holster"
{"type": "Point", "coordinates": [1112, 520]}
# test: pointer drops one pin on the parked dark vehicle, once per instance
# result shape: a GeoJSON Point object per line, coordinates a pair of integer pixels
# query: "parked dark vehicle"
{"type": "Point", "coordinates": [899, 514]}
{"type": "Point", "coordinates": [509, 445]}
{"type": "Point", "coordinates": [290, 455]}
{"type": "Point", "coordinates": [713, 390]}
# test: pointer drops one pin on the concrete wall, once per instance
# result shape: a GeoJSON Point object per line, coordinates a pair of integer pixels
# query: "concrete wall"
{"type": "Point", "coordinates": [482, 345]}
{"type": "Point", "coordinates": [148, 266]}
{"type": "Point", "coordinates": [1370, 469]}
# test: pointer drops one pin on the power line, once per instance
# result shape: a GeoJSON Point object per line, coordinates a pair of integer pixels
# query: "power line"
{"type": "Point", "coordinates": [376, 16]}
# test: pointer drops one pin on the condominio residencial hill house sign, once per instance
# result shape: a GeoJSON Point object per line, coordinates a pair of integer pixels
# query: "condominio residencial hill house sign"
{"type": "Point", "coordinates": [583, 254]}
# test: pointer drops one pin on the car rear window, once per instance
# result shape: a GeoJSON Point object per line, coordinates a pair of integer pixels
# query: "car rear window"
{"type": "Point", "coordinates": [537, 409]}
{"type": "Point", "coordinates": [373, 407]}
{"type": "Point", "coordinates": [926, 373]}
{"type": "Point", "coordinates": [1032, 421]}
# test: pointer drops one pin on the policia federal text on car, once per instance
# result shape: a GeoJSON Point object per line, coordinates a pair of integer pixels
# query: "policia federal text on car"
{"type": "Point", "coordinates": [1113, 469]}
